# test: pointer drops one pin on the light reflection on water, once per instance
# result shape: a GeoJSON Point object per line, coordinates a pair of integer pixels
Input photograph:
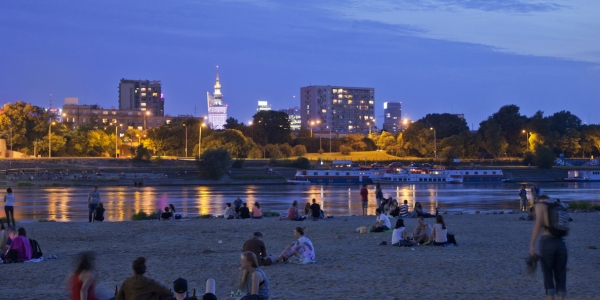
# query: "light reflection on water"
{"type": "Point", "coordinates": [70, 204]}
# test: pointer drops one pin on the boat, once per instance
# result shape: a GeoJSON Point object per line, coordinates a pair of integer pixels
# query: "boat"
{"type": "Point", "coordinates": [583, 175]}
{"type": "Point", "coordinates": [425, 175]}
{"type": "Point", "coordinates": [336, 176]}
{"type": "Point", "coordinates": [478, 175]}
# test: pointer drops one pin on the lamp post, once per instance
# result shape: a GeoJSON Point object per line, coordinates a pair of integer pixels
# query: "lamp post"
{"type": "Point", "coordinates": [146, 113]}
{"type": "Point", "coordinates": [369, 124]}
{"type": "Point", "coordinates": [527, 139]}
{"type": "Point", "coordinates": [311, 125]}
{"type": "Point", "coordinates": [185, 140]}
{"type": "Point", "coordinates": [117, 138]}
{"type": "Point", "coordinates": [200, 140]}
{"type": "Point", "coordinates": [434, 144]}
{"type": "Point", "coordinates": [50, 139]}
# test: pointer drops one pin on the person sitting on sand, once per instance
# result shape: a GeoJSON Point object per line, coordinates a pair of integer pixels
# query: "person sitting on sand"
{"type": "Point", "coordinates": [3, 236]}
{"type": "Point", "coordinates": [404, 210]}
{"type": "Point", "coordinates": [141, 287]}
{"type": "Point", "coordinates": [439, 237]}
{"type": "Point", "coordinates": [99, 213]}
{"type": "Point", "coordinates": [419, 211]}
{"type": "Point", "coordinates": [20, 247]}
{"type": "Point", "coordinates": [174, 211]}
{"type": "Point", "coordinates": [399, 234]}
{"type": "Point", "coordinates": [394, 210]}
{"type": "Point", "coordinates": [257, 211]}
{"type": "Point", "coordinates": [293, 213]}
{"type": "Point", "coordinates": [422, 232]}
{"type": "Point", "coordinates": [301, 250]}
{"type": "Point", "coordinates": [254, 280]}
{"type": "Point", "coordinates": [83, 281]}
{"type": "Point", "coordinates": [307, 209]}
{"type": "Point", "coordinates": [229, 213]}
{"type": "Point", "coordinates": [166, 215]}
{"type": "Point", "coordinates": [382, 223]}
{"type": "Point", "coordinates": [244, 211]}
{"type": "Point", "coordinates": [257, 246]}
{"type": "Point", "coordinates": [315, 209]}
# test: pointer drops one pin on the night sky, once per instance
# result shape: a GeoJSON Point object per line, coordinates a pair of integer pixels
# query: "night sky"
{"type": "Point", "coordinates": [434, 56]}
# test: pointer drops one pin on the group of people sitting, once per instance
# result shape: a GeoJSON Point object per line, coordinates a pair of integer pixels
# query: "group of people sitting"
{"type": "Point", "coordinates": [301, 251]}
{"type": "Point", "coordinates": [170, 213]}
{"type": "Point", "coordinates": [391, 208]}
{"type": "Point", "coordinates": [240, 210]}
{"type": "Point", "coordinates": [14, 246]}
{"type": "Point", "coordinates": [311, 211]}
{"type": "Point", "coordinates": [422, 234]}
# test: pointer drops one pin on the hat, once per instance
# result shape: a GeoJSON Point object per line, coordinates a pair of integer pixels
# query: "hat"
{"type": "Point", "coordinates": [180, 285]}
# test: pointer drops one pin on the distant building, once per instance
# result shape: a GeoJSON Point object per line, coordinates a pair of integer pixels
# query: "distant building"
{"type": "Point", "coordinates": [293, 116]}
{"type": "Point", "coordinates": [460, 116]}
{"type": "Point", "coordinates": [392, 116]}
{"type": "Point", "coordinates": [263, 105]}
{"type": "Point", "coordinates": [144, 95]}
{"type": "Point", "coordinates": [217, 111]}
{"type": "Point", "coordinates": [339, 109]}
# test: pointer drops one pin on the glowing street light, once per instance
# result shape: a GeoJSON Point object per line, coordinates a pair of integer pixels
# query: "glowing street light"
{"type": "Point", "coordinates": [527, 133]}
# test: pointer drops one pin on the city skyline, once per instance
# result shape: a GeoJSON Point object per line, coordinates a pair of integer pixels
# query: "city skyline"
{"type": "Point", "coordinates": [434, 57]}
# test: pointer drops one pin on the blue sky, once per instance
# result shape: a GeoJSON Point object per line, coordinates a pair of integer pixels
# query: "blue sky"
{"type": "Point", "coordinates": [434, 56]}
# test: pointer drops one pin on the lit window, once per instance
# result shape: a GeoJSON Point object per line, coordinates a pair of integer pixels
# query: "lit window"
{"type": "Point", "coordinates": [349, 101]}
{"type": "Point", "coordinates": [104, 120]}
{"type": "Point", "coordinates": [386, 115]}
{"type": "Point", "coordinates": [114, 112]}
{"type": "Point", "coordinates": [335, 90]}
{"type": "Point", "coordinates": [143, 103]}
{"type": "Point", "coordinates": [168, 121]}
{"type": "Point", "coordinates": [340, 96]}
{"type": "Point", "coordinates": [149, 89]}
{"type": "Point", "coordinates": [350, 127]}
{"type": "Point", "coordinates": [83, 120]}
{"type": "Point", "coordinates": [323, 110]}
{"type": "Point", "coordinates": [143, 89]}
{"type": "Point", "coordinates": [154, 94]}
{"type": "Point", "coordinates": [105, 112]}
{"type": "Point", "coordinates": [371, 102]}
{"type": "Point", "coordinates": [143, 94]}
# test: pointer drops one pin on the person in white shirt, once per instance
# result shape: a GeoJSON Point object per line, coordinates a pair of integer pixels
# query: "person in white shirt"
{"type": "Point", "coordinates": [439, 236]}
{"type": "Point", "coordinates": [399, 235]}
{"type": "Point", "coordinates": [9, 206]}
{"type": "Point", "coordinates": [382, 222]}
{"type": "Point", "coordinates": [229, 212]}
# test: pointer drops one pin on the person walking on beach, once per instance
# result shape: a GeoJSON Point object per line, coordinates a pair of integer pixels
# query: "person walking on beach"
{"type": "Point", "coordinates": [83, 281]}
{"type": "Point", "coordinates": [9, 206]}
{"type": "Point", "coordinates": [523, 196]}
{"type": "Point", "coordinates": [364, 194]}
{"type": "Point", "coordinates": [93, 200]}
{"type": "Point", "coordinates": [553, 250]}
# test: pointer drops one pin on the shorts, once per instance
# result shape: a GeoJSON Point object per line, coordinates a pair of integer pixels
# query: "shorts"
{"type": "Point", "coordinates": [365, 204]}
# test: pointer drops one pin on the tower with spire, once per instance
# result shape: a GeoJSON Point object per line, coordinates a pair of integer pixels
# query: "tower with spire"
{"type": "Point", "coordinates": [217, 111]}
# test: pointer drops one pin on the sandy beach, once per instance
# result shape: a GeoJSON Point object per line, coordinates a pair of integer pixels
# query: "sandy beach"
{"type": "Point", "coordinates": [487, 264]}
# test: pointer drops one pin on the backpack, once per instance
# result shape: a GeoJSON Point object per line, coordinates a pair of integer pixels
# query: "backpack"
{"type": "Point", "coordinates": [36, 250]}
{"type": "Point", "coordinates": [558, 220]}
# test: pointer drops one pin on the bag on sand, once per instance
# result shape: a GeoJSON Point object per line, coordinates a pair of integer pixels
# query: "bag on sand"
{"type": "Point", "coordinates": [36, 250]}
{"type": "Point", "coordinates": [558, 220]}
{"type": "Point", "coordinates": [451, 239]}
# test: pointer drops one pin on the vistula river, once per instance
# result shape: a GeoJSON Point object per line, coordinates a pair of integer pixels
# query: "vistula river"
{"type": "Point", "coordinates": [70, 203]}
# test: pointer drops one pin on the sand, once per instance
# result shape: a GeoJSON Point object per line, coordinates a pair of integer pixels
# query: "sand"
{"type": "Point", "coordinates": [487, 264]}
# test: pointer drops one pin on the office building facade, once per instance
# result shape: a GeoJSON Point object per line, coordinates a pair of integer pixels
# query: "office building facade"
{"type": "Point", "coordinates": [143, 95]}
{"type": "Point", "coordinates": [294, 117]}
{"type": "Point", "coordinates": [392, 116]}
{"type": "Point", "coordinates": [339, 109]}
{"type": "Point", "coordinates": [263, 106]}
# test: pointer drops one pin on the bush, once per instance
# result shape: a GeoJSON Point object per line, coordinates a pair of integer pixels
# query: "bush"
{"type": "Point", "coordinates": [580, 205]}
{"type": "Point", "coordinates": [528, 158]}
{"type": "Point", "coordinates": [269, 213]}
{"type": "Point", "coordinates": [346, 150]}
{"type": "Point", "coordinates": [301, 163]}
{"type": "Point", "coordinates": [24, 183]}
{"type": "Point", "coordinates": [544, 158]}
{"type": "Point", "coordinates": [299, 150]}
{"type": "Point", "coordinates": [205, 216]}
{"type": "Point", "coordinates": [286, 150]}
{"type": "Point", "coordinates": [140, 153]}
{"type": "Point", "coordinates": [238, 164]}
{"type": "Point", "coordinates": [214, 163]}
{"type": "Point", "coordinates": [140, 215]}
{"type": "Point", "coordinates": [272, 151]}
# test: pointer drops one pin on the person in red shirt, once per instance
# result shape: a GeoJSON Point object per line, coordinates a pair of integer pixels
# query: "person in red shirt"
{"type": "Point", "coordinates": [83, 281]}
{"type": "Point", "coordinates": [364, 194]}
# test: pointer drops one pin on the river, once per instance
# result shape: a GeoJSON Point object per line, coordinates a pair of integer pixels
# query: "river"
{"type": "Point", "coordinates": [70, 203]}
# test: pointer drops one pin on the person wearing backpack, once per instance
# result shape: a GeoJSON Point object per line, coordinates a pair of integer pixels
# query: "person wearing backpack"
{"type": "Point", "coordinates": [550, 223]}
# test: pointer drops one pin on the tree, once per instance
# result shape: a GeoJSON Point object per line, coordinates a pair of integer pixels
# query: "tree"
{"type": "Point", "coordinates": [511, 124]}
{"type": "Point", "coordinates": [231, 139]}
{"type": "Point", "coordinates": [445, 124]}
{"type": "Point", "coordinates": [544, 158]}
{"type": "Point", "coordinates": [233, 123]}
{"type": "Point", "coordinates": [214, 163]}
{"type": "Point", "coordinates": [58, 145]}
{"type": "Point", "coordinates": [286, 150]}
{"type": "Point", "coordinates": [25, 122]}
{"type": "Point", "coordinates": [141, 153]}
{"type": "Point", "coordinates": [356, 141]}
{"type": "Point", "coordinates": [417, 139]}
{"type": "Point", "coordinates": [272, 151]}
{"type": "Point", "coordinates": [491, 138]}
{"type": "Point", "coordinates": [271, 127]}
{"type": "Point", "coordinates": [299, 150]}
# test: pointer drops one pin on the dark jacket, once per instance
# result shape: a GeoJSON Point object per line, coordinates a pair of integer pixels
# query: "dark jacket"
{"type": "Point", "coordinates": [140, 287]}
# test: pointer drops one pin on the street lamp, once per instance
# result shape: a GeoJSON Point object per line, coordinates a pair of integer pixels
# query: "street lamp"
{"type": "Point", "coordinates": [50, 140]}
{"type": "Point", "coordinates": [117, 138]}
{"type": "Point", "coordinates": [369, 124]}
{"type": "Point", "coordinates": [527, 139]}
{"type": "Point", "coordinates": [200, 140]}
{"type": "Point", "coordinates": [434, 144]}
{"type": "Point", "coordinates": [185, 140]}
{"type": "Point", "coordinates": [311, 125]}
{"type": "Point", "coordinates": [148, 114]}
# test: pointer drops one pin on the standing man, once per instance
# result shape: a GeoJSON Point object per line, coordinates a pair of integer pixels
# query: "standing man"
{"type": "Point", "coordinates": [553, 250]}
{"type": "Point", "coordinates": [93, 200]}
{"type": "Point", "coordinates": [237, 204]}
{"type": "Point", "coordinates": [364, 194]}
{"type": "Point", "coordinates": [523, 196]}
{"type": "Point", "coordinates": [257, 246]}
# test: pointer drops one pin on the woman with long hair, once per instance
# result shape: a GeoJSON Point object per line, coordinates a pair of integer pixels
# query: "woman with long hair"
{"type": "Point", "coordinates": [254, 280]}
{"type": "Point", "coordinates": [257, 211]}
{"type": "Point", "coordinates": [439, 236]}
{"type": "Point", "coordinates": [301, 250]}
{"type": "Point", "coordinates": [83, 280]}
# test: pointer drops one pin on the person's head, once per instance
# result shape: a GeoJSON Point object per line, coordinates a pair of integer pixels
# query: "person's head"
{"type": "Point", "coordinates": [249, 262]}
{"type": "Point", "coordinates": [172, 207]}
{"type": "Point", "coordinates": [417, 204]}
{"type": "Point", "coordinates": [544, 198]}
{"type": "Point", "coordinates": [257, 204]}
{"type": "Point", "coordinates": [295, 203]}
{"type": "Point", "coordinates": [244, 204]}
{"type": "Point", "coordinates": [420, 221]}
{"type": "Point", "coordinates": [166, 209]}
{"type": "Point", "coordinates": [85, 261]}
{"type": "Point", "coordinates": [139, 266]}
{"type": "Point", "coordinates": [378, 211]}
{"type": "Point", "coordinates": [209, 296]}
{"type": "Point", "coordinates": [180, 285]}
{"type": "Point", "coordinates": [258, 235]}
{"type": "Point", "coordinates": [314, 200]}
{"type": "Point", "coordinates": [12, 233]}
{"type": "Point", "coordinates": [228, 204]}
{"type": "Point", "coordinates": [399, 223]}
{"type": "Point", "coordinates": [100, 205]}
{"type": "Point", "coordinates": [22, 231]}
{"type": "Point", "coordinates": [9, 190]}
{"type": "Point", "coordinates": [378, 186]}
{"type": "Point", "coordinates": [95, 188]}
{"type": "Point", "coordinates": [299, 232]}
{"type": "Point", "coordinates": [405, 201]}
{"type": "Point", "coordinates": [440, 220]}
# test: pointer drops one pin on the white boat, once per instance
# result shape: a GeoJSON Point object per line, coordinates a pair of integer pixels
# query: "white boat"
{"type": "Point", "coordinates": [337, 176]}
{"type": "Point", "coordinates": [416, 175]}
{"type": "Point", "coordinates": [583, 175]}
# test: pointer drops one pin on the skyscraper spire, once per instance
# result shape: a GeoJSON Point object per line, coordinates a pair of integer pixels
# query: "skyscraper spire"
{"type": "Point", "coordinates": [217, 84]}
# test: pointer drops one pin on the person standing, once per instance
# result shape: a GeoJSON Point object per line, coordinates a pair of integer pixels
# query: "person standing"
{"type": "Point", "coordinates": [552, 252]}
{"type": "Point", "coordinates": [93, 200]}
{"type": "Point", "coordinates": [237, 203]}
{"type": "Point", "coordinates": [523, 196]}
{"type": "Point", "coordinates": [378, 194]}
{"type": "Point", "coordinates": [9, 206]}
{"type": "Point", "coordinates": [364, 194]}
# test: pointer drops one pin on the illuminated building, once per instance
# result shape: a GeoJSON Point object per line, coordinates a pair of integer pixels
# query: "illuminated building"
{"type": "Point", "coordinates": [293, 116]}
{"type": "Point", "coordinates": [339, 109]}
{"type": "Point", "coordinates": [144, 95]}
{"type": "Point", "coordinates": [217, 111]}
{"type": "Point", "coordinates": [392, 116]}
{"type": "Point", "coordinates": [263, 106]}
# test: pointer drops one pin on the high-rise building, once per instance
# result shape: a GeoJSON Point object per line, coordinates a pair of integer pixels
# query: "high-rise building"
{"type": "Point", "coordinates": [145, 95]}
{"type": "Point", "coordinates": [217, 111]}
{"type": "Point", "coordinates": [293, 116]}
{"type": "Point", "coordinates": [338, 109]}
{"type": "Point", "coordinates": [263, 105]}
{"type": "Point", "coordinates": [392, 116]}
